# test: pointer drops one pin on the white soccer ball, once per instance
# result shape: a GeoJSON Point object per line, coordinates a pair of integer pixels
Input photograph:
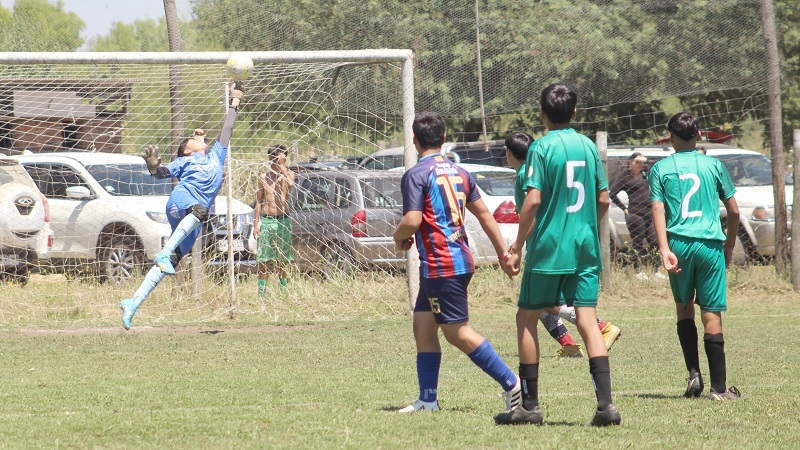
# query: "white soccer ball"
{"type": "Point", "coordinates": [239, 66]}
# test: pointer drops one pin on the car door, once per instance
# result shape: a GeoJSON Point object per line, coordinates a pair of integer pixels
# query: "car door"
{"type": "Point", "coordinates": [71, 238]}
{"type": "Point", "coordinates": [312, 200]}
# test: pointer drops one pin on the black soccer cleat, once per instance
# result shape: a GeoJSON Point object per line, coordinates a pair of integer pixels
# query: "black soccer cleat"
{"type": "Point", "coordinates": [606, 417]}
{"type": "Point", "coordinates": [695, 385]}
{"type": "Point", "coordinates": [520, 416]}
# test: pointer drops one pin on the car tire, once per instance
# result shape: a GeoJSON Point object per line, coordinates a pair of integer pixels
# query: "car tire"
{"type": "Point", "coordinates": [335, 260]}
{"type": "Point", "coordinates": [16, 275]}
{"type": "Point", "coordinates": [118, 258]}
{"type": "Point", "coordinates": [749, 248]}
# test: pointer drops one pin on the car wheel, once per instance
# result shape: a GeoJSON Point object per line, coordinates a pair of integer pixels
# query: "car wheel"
{"type": "Point", "coordinates": [118, 258]}
{"type": "Point", "coordinates": [337, 261]}
{"type": "Point", "coordinates": [16, 275]}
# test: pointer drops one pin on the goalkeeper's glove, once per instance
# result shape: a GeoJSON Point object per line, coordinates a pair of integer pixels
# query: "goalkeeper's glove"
{"type": "Point", "coordinates": [152, 159]}
{"type": "Point", "coordinates": [237, 94]}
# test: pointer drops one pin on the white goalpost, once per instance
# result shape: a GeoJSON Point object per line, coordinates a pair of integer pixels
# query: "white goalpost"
{"type": "Point", "coordinates": [321, 105]}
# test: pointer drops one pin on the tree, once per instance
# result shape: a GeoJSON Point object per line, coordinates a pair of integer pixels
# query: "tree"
{"type": "Point", "coordinates": [40, 26]}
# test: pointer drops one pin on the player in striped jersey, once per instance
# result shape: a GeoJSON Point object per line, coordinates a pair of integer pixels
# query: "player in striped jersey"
{"type": "Point", "coordinates": [435, 195]}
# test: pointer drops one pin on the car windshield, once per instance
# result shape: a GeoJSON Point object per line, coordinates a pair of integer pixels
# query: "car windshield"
{"type": "Point", "coordinates": [496, 183]}
{"type": "Point", "coordinates": [749, 170]}
{"type": "Point", "coordinates": [382, 192]}
{"type": "Point", "coordinates": [129, 180]}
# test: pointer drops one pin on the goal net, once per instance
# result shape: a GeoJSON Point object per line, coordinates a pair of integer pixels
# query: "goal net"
{"type": "Point", "coordinates": [77, 123]}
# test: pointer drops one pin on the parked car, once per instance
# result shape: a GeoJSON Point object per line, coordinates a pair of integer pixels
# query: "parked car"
{"type": "Point", "coordinates": [25, 233]}
{"type": "Point", "coordinates": [107, 212]}
{"type": "Point", "coordinates": [459, 152]}
{"type": "Point", "coordinates": [344, 220]}
{"type": "Point", "coordinates": [750, 171]}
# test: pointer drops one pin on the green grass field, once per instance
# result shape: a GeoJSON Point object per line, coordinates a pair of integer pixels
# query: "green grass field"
{"type": "Point", "coordinates": [257, 383]}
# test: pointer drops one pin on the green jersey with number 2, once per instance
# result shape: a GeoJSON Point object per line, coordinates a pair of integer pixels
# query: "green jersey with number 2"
{"type": "Point", "coordinates": [565, 167]}
{"type": "Point", "coordinates": [691, 185]}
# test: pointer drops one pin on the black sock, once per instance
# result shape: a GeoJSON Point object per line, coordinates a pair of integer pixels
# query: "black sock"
{"type": "Point", "coordinates": [601, 377]}
{"type": "Point", "coordinates": [715, 352]}
{"type": "Point", "coordinates": [687, 335]}
{"type": "Point", "coordinates": [529, 374]}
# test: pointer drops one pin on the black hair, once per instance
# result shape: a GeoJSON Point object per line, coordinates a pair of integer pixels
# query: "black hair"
{"type": "Point", "coordinates": [518, 142]}
{"type": "Point", "coordinates": [634, 156]}
{"type": "Point", "coordinates": [558, 102]}
{"type": "Point", "coordinates": [428, 128]}
{"type": "Point", "coordinates": [276, 150]}
{"type": "Point", "coordinates": [684, 126]}
{"type": "Point", "coordinates": [182, 147]}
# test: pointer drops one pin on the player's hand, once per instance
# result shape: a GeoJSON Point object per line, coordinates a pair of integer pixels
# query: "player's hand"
{"type": "Point", "coordinates": [404, 245]}
{"type": "Point", "coordinates": [199, 135]}
{"type": "Point", "coordinates": [728, 254]}
{"type": "Point", "coordinates": [256, 231]}
{"type": "Point", "coordinates": [152, 159]}
{"type": "Point", "coordinates": [508, 268]}
{"type": "Point", "coordinates": [237, 94]}
{"type": "Point", "coordinates": [670, 262]}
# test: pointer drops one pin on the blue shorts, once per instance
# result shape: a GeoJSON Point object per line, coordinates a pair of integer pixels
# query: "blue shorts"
{"type": "Point", "coordinates": [174, 216]}
{"type": "Point", "coordinates": [445, 297]}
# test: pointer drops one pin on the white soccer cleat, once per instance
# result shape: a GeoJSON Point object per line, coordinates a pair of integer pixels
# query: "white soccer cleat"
{"type": "Point", "coordinates": [419, 405]}
{"type": "Point", "coordinates": [513, 397]}
{"type": "Point", "coordinates": [641, 276]}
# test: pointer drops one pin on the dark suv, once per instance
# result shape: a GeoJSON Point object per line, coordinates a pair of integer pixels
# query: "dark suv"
{"type": "Point", "coordinates": [459, 152]}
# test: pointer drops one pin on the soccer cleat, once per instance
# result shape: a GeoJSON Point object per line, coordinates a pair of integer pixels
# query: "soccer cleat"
{"type": "Point", "coordinates": [641, 276]}
{"type": "Point", "coordinates": [520, 415]}
{"type": "Point", "coordinates": [610, 335]}
{"type": "Point", "coordinates": [419, 405]}
{"type": "Point", "coordinates": [513, 397]}
{"type": "Point", "coordinates": [128, 310]}
{"type": "Point", "coordinates": [570, 351]}
{"type": "Point", "coordinates": [659, 276]}
{"type": "Point", "coordinates": [695, 386]}
{"type": "Point", "coordinates": [609, 416]}
{"type": "Point", "coordinates": [730, 394]}
{"type": "Point", "coordinates": [165, 264]}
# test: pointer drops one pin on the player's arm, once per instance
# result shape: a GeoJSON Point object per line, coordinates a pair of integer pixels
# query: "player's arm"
{"type": "Point", "coordinates": [668, 259]}
{"type": "Point", "coordinates": [237, 94]}
{"type": "Point", "coordinates": [732, 227]}
{"type": "Point", "coordinates": [489, 225]}
{"type": "Point", "coordinates": [527, 219]}
{"type": "Point", "coordinates": [257, 213]}
{"type": "Point", "coordinates": [603, 203]}
{"type": "Point", "coordinates": [616, 188]}
{"type": "Point", "coordinates": [404, 233]}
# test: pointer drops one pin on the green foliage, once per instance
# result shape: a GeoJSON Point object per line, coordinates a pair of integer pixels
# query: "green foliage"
{"type": "Point", "coordinates": [40, 26]}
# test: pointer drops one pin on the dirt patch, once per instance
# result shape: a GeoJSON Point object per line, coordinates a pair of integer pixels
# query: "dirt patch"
{"type": "Point", "coordinates": [162, 331]}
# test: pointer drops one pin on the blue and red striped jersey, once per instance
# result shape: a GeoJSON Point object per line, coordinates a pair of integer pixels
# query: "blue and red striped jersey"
{"type": "Point", "coordinates": [440, 190]}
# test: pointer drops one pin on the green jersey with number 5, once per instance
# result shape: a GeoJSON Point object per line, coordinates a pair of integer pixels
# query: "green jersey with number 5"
{"type": "Point", "coordinates": [565, 167]}
{"type": "Point", "coordinates": [691, 185]}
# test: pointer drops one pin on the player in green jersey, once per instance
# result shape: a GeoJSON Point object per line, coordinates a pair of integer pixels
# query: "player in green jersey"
{"type": "Point", "coordinates": [685, 190]}
{"type": "Point", "coordinates": [565, 193]}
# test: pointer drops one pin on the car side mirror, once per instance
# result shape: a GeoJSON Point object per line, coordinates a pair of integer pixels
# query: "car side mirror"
{"type": "Point", "coordinates": [78, 193]}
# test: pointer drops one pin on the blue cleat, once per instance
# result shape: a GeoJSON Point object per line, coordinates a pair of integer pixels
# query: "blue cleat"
{"type": "Point", "coordinates": [165, 264]}
{"type": "Point", "coordinates": [128, 310]}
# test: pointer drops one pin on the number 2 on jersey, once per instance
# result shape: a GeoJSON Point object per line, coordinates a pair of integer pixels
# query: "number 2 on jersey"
{"type": "Point", "coordinates": [685, 213]}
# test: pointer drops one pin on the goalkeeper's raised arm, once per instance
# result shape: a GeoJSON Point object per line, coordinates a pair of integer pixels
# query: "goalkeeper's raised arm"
{"type": "Point", "coordinates": [237, 94]}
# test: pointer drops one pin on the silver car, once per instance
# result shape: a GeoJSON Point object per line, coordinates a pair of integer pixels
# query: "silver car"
{"type": "Point", "coordinates": [344, 220]}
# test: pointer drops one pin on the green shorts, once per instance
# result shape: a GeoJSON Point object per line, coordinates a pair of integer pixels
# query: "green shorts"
{"type": "Point", "coordinates": [703, 277]}
{"type": "Point", "coordinates": [275, 239]}
{"type": "Point", "coordinates": [541, 290]}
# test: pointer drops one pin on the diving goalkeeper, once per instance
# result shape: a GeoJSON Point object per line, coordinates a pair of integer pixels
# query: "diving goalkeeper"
{"type": "Point", "coordinates": [199, 169]}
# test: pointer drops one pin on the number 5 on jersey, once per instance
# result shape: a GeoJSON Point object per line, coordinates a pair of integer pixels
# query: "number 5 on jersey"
{"type": "Point", "coordinates": [573, 184]}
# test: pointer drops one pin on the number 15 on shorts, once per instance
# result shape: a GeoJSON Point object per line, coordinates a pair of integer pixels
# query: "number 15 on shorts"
{"type": "Point", "coordinates": [435, 308]}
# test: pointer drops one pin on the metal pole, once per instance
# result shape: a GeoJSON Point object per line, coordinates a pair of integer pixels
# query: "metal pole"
{"type": "Point", "coordinates": [796, 211]}
{"type": "Point", "coordinates": [775, 133]}
{"type": "Point", "coordinates": [229, 203]}
{"type": "Point", "coordinates": [602, 225]}
{"type": "Point", "coordinates": [409, 159]}
{"type": "Point", "coordinates": [480, 73]}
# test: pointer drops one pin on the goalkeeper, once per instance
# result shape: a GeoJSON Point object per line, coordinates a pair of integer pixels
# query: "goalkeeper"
{"type": "Point", "coordinates": [199, 169]}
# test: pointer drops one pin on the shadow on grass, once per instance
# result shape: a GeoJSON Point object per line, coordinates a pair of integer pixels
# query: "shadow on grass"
{"type": "Point", "coordinates": [653, 396]}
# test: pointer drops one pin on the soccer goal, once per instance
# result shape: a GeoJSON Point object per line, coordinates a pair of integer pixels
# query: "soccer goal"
{"type": "Point", "coordinates": [78, 122]}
